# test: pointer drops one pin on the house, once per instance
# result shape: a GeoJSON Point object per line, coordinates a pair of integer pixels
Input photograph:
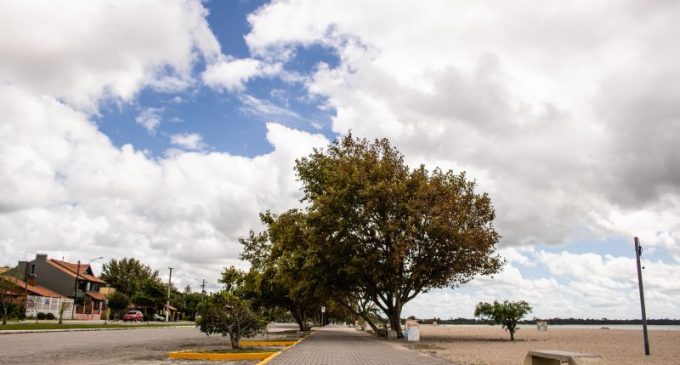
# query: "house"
{"type": "Point", "coordinates": [40, 299]}
{"type": "Point", "coordinates": [71, 280]}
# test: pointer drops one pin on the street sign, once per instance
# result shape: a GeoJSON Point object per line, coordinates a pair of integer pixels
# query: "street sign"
{"type": "Point", "coordinates": [323, 309]}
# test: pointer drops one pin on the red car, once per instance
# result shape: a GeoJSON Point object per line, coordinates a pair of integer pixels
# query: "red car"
{"type": "Point", "coordinates": [133, 316]}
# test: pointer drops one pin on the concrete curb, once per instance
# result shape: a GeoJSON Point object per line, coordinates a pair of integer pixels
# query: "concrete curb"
{"type": "Point", "coordinates": [20, 332]}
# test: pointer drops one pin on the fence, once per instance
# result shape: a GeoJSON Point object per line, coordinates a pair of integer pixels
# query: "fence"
{"type": "Point", "coordinates": [37, 304]}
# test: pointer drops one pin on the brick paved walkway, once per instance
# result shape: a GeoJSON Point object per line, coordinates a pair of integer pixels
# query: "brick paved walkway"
{"type": "Point", "coordinates": [341, 345]}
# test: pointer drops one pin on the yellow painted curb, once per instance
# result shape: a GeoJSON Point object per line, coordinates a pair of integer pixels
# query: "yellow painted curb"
{"type": "Point", "coordinates": [270, 358]}
{"type": "Point", "coordinates": [265, 357]}
{"type": "Point", "coordinates": [216, 356]}
{"type": "Point", "coordinates": [267, 343]}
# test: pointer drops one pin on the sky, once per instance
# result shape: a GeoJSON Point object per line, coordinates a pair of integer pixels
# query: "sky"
{"type": "Point", "coordinates": [161, 129]}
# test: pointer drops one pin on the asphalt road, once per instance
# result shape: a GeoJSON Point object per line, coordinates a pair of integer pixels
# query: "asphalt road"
{"type": "Point", "coordinates": [133, 346]}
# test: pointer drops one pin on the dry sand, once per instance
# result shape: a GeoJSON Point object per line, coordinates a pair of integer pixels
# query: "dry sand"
{"type": "Point", "coordinates": [481, 345]}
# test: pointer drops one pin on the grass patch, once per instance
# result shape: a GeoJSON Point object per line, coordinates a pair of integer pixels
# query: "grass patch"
{"type": "Point", "coordinates": [424, 346]}
{"type": "Point", "coordinates": [242, 350]}
{"type": "Point", "coordinates": [56, 326]}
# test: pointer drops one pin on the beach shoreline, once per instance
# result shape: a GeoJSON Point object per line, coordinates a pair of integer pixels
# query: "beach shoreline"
{"type": "Point", "coordinates": [490, 345]}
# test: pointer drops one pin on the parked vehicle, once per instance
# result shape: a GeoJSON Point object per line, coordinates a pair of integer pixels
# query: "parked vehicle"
{"type": "Point", "coordinates": [133, 316]}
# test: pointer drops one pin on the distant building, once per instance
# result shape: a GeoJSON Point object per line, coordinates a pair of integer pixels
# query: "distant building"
{"type": "Point", "coordinates": [40, 299]}
{"type": "Point", "coordinates": [60, 277]}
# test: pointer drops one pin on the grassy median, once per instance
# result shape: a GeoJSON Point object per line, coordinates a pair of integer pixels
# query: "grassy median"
{"type": "Point", "coordinates": [56, 326]}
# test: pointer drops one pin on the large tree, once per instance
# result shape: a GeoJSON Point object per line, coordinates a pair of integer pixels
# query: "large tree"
{"type": "Point", "coordinates": [127, 275]}
{"type": "Point", "coordinates": [385, 232]}
{"type": "Point", "coordinates": [281, 265]}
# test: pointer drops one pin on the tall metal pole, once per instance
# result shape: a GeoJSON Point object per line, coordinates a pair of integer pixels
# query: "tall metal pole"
{"type": "Point", "coordinates": [75, 293]}
{"type": "Point", "coordinates": [167, 306]}
{"type": "Point", "coordinates": [26, 287]}
{"type": "Point", "coordinates": [638, 253]}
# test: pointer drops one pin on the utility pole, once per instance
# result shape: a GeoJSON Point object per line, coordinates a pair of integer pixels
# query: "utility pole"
{"type": "Point", "coordinates": [203, 288]}
{"type": "Point", "coordinates": [167, 306]}
{"type": "Point", "coordinates": [26, 285]}
{"type": "Point", "coordinates": [638, 253]}
{"type": "Point", "coordinates": [75, 293]}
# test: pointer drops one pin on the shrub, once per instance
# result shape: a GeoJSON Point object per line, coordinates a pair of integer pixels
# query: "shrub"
{"type": "Point", "coordinates": [506, 314]}
{"type": "Point", "coordinates": [229, 315]}
{"type": "Point", "coordinates": [50, 315]}
{"type": "Point", "coordinates": [41, 315]}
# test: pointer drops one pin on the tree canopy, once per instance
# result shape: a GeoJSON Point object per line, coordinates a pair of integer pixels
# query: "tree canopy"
{"type": "Point", "coordinates": [281, 263]}
{"type": "Point", "coordinates": [118, 302]}
{"type": "Point", "coordinates": [226, 314]}
{"type": "Point", "coordinates": [127, 275]}
{"type": "Point", "coordinates": [385, 232]}
{"type": "Point", "coordinates": [507, 314]}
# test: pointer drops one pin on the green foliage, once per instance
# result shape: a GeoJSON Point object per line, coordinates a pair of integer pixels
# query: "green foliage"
{"type": "Point", "coordinates": [188, 304]}
{"type": "Point", "coordinates": [41, 316]}
{"type": "Point", "coordinates": [7, 288]}
{"type": "Point", "coordinates": [232, 278]}
{"type": "Point", "coordinates": [127, 275]}
{"type": "Point", "coordinates": [151, 293]}
{"type": "Point", "coordinates": [118, 302]}
{"type": "Point", "coordinates": [50, 316]}
{"type": "Point", "coordinates": [381, 231]}
{"type": "Point", "coordinates": [506, 314]}
{"type": "Point", "coordinates": [226, 314]}
{"type": "Point", "coordinates": [281, 260]}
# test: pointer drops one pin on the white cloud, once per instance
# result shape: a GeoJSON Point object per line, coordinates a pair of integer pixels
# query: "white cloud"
{"type": "Point", "coordinates": [566, 114]}
{"type": "Point", "coordinates": [83, 51]}
{"type": "Point", "coordinates": [568, 118]}
{"type": "Point", "coordinates": [189, 141]}
{"type": "Point", "coordinates": [556, 118]}
{"type": "Point", "coordinates": [232, 74]}
{"type": "Point", "coordinates": [264, 108]}
{"type": "Point", "coordinates": [589, 286]}
{"type": "Point", "coordinates": [150, 119]}
{"type": "Point", "coordinates": [69, 192]}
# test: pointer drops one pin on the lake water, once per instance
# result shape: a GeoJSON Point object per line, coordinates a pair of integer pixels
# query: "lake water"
{"type": "Point", "coordinates": [584, 326]}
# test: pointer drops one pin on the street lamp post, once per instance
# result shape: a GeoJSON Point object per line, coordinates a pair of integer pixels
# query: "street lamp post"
{"type": "Point", "coordinates": [167, 305]}
{"type": "Point", "coordinates": [75, 286]}
{"type": "Point", "coordinates": [106, 303]}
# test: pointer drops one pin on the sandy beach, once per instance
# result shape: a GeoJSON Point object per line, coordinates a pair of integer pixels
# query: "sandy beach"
{"type": "Point", "coordinates": [479, 345]}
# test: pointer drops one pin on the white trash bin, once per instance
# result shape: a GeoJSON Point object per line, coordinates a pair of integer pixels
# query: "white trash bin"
{"type": "Point", "coordinates": [413, 334]}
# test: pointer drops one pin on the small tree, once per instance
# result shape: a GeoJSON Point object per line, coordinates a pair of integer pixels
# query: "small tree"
{"type": "Point", "coordinates": [229, 315]}
{"type": "Point", "coordinates": [7, 289]}
{"type": "Point", "coordinates": [118, 302]}
{"type": "Point", "coordinates": [61, 312]}
{"type": "Point", "coordinates": [506, 314]}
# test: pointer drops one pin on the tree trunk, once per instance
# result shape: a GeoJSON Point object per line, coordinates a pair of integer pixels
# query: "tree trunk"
{"type": "Point", "coordinates": [234, 341]}
{"type": "Point", "coordinates": [364, 317]}
{"type": "Point", "coordinates": [512, 335]}
{"type": "Point", "coordinates": [394, 316]}
{"type": "Point", "coordinates": [299, 317]}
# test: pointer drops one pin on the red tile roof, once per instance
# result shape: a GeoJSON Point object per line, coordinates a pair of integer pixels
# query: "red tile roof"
{"type": "Point", "coordinates": [96, 295]}
{"type": "Point", "coordinates": [33, 289]}
{"type": "Point", "coordinates": [71, 269]}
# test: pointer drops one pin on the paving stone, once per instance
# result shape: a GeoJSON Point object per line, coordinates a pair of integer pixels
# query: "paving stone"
{"type": "Point", "coordinates": [347, 346]}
